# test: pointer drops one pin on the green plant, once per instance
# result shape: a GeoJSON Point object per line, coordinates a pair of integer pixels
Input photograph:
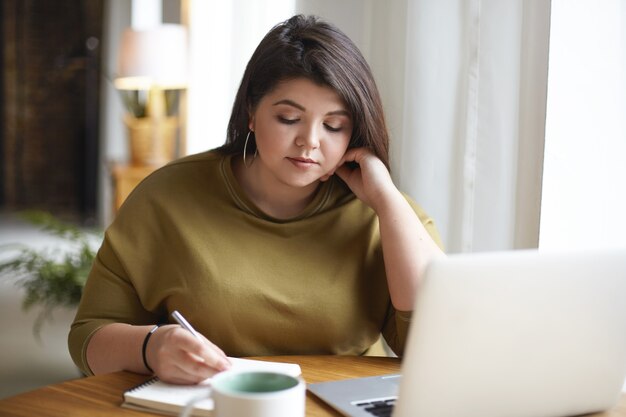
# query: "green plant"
{"type": "Point", "coordinates": [53, 277]}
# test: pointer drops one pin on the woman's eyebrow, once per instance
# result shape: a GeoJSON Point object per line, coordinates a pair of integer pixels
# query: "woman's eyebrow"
{"type": "Point", "coordinates": [290, 103]}
{"type": "Point", "coordinates": [339, 113]}
{"type": "Point", "coordinates": [300, 107]}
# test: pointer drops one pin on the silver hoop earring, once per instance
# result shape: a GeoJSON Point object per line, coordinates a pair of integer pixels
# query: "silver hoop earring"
{"type": "Point", "coordinates": [245, 147]}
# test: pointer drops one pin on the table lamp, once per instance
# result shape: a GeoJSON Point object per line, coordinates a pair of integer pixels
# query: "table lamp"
{"type": "Point", "coordinates": [152, 74]}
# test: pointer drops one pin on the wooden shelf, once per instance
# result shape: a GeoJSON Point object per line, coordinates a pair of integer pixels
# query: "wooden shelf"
{"type": "Point", "coordinates": [125, 178]}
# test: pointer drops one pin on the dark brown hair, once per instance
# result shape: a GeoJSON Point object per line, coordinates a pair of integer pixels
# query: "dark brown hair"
{"type": "Point", "coordinates": [305, 46]}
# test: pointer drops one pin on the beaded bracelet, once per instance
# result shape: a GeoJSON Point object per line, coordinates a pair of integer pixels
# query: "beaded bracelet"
{"type": "Point", "coordinates": [145, 344]}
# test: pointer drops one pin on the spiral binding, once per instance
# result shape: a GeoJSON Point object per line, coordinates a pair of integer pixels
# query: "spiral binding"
{"type": "Point", "coordinates": [143, 384]}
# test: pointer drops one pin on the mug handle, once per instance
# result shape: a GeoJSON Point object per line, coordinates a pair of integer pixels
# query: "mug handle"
{"type": "Point", "coordinates": [191, 404]}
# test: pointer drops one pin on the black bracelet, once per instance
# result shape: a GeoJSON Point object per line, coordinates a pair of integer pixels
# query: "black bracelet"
{"type": "Point", "coordinates": [145, 344]}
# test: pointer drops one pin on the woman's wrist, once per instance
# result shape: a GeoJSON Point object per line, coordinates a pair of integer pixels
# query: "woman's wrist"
{"type": "Point", "coordinates": [144, 347]}
{"type": "Point", "coordinates": [388, 202]}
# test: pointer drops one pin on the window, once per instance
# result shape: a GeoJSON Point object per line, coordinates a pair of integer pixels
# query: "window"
{"type": "Point", "coordinates": [584, 179]}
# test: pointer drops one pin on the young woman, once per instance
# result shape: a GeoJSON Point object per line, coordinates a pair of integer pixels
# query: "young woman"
{"type": "Point", "coordinates": [289, 239]}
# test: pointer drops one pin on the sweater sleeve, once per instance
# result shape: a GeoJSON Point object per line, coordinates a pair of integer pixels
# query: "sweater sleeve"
{"type": "Point", "coordinates": [108, 297]}
{"type": "Point", "coordinates": [396, 329]}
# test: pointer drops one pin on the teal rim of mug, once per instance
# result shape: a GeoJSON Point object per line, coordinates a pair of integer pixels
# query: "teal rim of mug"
{"type": "Point", "coordinates": [255, 383]}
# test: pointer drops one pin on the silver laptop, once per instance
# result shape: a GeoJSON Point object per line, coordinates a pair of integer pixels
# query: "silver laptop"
{"type": "Point", "coordinates": [520, 333]}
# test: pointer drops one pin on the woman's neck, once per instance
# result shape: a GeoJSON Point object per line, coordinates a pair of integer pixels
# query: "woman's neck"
{"type": "Point", "coordinates": [274, 198]}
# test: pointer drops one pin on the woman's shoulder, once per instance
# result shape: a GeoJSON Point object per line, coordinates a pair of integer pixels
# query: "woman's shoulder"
{"type": "Point", "coordinates": [199, 161]}
{"type": "Point", "coordinates": [213, 155]}
{"type": "Point", "coordinates": [187, 168]}
{"type": "Point", "coordinates": [421, 213]}
{"type": "Point", "coordinates": [426, 220]}
{"type": "Point", "coordinates": [181, 178]}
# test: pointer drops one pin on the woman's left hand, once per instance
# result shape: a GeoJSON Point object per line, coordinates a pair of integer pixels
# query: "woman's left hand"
{"type": "Point", "coordinates": [369, 180]}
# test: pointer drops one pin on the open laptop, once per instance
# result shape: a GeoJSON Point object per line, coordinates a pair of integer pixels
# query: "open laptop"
{"type": "Point", "coordinates": [519, 333]}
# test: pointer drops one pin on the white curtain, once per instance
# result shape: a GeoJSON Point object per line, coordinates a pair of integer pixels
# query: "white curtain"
{"type": "Point", "coordinates": [470, 147]}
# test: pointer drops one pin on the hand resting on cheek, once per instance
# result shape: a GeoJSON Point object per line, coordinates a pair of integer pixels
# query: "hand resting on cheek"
{"type": "Point", "coordinates": [366, 175]}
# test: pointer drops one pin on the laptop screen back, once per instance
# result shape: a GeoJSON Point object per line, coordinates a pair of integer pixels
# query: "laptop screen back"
{"type": "Point", "coordinates": [520, 333]}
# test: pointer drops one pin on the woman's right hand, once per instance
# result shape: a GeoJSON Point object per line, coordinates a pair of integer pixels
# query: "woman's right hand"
{"type": "Point", "coordinates": [177, 356]}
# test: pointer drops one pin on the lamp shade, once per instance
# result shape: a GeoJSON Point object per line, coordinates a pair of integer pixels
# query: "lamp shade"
{"type": "Point", "coordinates": [155, 57]}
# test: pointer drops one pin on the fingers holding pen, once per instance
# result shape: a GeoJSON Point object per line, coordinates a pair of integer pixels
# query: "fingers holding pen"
{"type": "Point", "coordinates": [211, 355]}
{"type": "Point", "coordinates": [177, 356]}
{"type": "Point", "coordinates": [216, 357]}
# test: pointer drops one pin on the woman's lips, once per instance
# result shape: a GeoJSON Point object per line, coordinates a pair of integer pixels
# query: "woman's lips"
{"type": "Point", "coordinates": [302, 162]}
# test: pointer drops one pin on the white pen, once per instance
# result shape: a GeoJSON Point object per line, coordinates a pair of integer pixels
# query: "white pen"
{"type": "Point", "coordinates": [184, 323]}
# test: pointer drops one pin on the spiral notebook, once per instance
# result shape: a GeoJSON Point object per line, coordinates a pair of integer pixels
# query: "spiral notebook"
{"type": "Point", "coordinates": [160, 397]}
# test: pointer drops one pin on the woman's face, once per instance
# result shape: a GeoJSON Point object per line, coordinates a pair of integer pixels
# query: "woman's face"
{"type": "Point", "coordinates": [302, 130]}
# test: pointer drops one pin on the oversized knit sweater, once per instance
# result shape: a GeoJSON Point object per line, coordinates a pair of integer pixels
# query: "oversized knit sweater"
{"type": "Point", "coordinates": [188, 239]}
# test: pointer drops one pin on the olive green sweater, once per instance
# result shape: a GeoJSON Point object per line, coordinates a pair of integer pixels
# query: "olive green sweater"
{"type": "Point", "coordinates": [188, 239]}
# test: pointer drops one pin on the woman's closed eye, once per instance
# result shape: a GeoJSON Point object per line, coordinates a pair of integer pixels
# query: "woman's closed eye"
{"type": "Point", "coordinates": [290, 121]}
{"type": "Point", "coordinates": [287, 120]}
{"type": "Point", "coordinates": [331, 128]}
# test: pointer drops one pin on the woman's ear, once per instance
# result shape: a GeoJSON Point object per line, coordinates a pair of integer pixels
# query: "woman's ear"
{"type": "Point", "coordinates": [250, 119]}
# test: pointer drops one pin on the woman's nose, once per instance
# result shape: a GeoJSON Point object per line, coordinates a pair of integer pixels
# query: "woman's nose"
{"type": "Point", "coordinates": [309, 138]}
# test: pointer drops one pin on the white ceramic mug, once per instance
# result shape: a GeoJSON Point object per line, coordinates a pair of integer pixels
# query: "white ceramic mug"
{"type": "Point", "coordinates": [257, 394]}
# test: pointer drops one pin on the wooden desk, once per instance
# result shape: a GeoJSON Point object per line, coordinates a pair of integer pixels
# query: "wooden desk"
{"type": "Point", "coordinates": [101, 396]}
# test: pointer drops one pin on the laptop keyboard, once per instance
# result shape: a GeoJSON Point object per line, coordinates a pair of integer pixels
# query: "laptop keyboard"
{"type": "Point", "coordinates": [380, 408]}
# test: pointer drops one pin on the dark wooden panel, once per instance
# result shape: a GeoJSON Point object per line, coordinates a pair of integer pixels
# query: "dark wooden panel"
{"type": "Point", "coordinates": [50, 105]}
